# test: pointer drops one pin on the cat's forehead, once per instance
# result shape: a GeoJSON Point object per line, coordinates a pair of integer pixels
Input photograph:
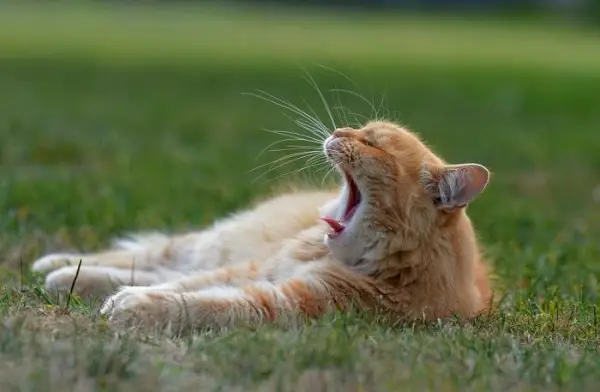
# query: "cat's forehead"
{"type": "Point", "coordinates": [392, 135]}
{"type": "Point", "coordinates": [382, 127]}
{"type": "Point", "coordinates": [404, 146]}
{"type": "Point", "coordinates": [389, 131]}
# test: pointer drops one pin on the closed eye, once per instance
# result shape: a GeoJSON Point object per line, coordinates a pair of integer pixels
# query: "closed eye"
{"type": "Point", "coordinates": [368, 143]}
{"type": "Point", "coordinates": [371, 144]}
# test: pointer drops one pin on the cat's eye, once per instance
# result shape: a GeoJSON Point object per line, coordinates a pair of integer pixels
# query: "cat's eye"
{"type": "Point", "coordinates": [369, 143]}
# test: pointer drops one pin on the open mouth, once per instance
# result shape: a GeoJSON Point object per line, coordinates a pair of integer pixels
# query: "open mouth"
{"type": "Point", "coordinates": [354, 198]}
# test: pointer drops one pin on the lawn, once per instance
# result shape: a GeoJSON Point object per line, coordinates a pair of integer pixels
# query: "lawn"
{"type": "Point", "coordinates": [125, 119]}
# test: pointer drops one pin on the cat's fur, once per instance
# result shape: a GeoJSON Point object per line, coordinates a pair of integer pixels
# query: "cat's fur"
{"type": "Point", "coordinates": [408, 250]}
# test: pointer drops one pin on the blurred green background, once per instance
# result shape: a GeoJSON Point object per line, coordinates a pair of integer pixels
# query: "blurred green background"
{"type": "Point", "coordinates": [119, 117]}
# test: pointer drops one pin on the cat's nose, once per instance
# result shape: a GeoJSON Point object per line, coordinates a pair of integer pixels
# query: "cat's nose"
{"type": "Point", "coordinates": [342, 132]}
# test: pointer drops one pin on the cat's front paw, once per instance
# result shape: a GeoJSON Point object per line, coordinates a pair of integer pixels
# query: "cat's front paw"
{"type": "Point", "coordinates": [88, 281]}
{"type": "Point", "coordinates": [123, 298]}
{"type": "Point", "coordinates": [144, 306]}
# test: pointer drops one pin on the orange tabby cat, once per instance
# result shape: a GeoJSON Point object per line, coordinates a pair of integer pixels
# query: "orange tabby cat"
{"type": "Point", "coordinates": [396, 238]}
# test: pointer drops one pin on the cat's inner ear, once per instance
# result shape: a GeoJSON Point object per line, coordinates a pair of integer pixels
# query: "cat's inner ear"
{"type": "Point", "coordinates": [455, 186]}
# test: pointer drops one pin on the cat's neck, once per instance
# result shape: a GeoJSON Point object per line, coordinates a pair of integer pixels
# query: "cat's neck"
{"type": "Point", "coordinates": [442, 267]}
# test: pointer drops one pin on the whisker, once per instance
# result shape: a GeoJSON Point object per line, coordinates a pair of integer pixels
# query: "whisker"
{"type": "Point", "coordinates": [288, 106]}
{"type": "Point", "coordinates": [345, 111]}
{"type": "Point", "coordinates": [341, 110]}
{"type": "Point", "coordinates": [348, 78]}
{"type": "Point", "coordinates": [281, 164]}
{"type": "Point", "coordinates": [291, 133]}
{"type": "Point", "coordinates": [318, 162]}
{"type": "Point", "coordinates": [293, 172]}
{"type": "Point", "coordinates": [301, 145]}
{"type": "Point", "coordinates": [339, 73]}
{"type": "Point", "coordinates": [320, 133]}
{"type": "Point", "coordinates": [362, 98]}
{"type": "Point", "coordinates": [315, 161]}
{"type": "Point", "coordinates": [355, 115]}
{"type": "Point", "coordinates": [279, 142]}
{"type": "Point", "coordinates": [317, 130]}
{"type": "Point", "coordinates": [383, 107]}
{"type": "Point", "coordinates": [325, 104]}
{"type": "Point", "coordinates": [323, 131]}
{"type": "Point", "coordinates": [288, 156]}
{"type": "Point", "coordinates": [296, 136]}
{"type": "Point", "coordinates": [327, 174]}
{"type": "Point", "coordinates": [297, 147]}
{"type": "Point", "coordinates": [310, 164]}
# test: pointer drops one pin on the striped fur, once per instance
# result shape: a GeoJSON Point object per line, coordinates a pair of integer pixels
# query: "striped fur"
{"type": "Point", "coordinates": [409, 250]}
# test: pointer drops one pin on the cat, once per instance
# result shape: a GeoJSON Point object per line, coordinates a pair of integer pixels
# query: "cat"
{"type": "Point", "coordinates": [396, 239]}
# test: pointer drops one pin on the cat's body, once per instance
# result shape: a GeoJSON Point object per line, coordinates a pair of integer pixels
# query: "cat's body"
{"type": "Point", "coordinates": [151, 258]}
{"type": "Point", "coordinates": [396, 239]}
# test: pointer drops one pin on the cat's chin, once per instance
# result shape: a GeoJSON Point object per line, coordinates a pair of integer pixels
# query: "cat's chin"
{"type": "Point", "coordinates": [343, 247]}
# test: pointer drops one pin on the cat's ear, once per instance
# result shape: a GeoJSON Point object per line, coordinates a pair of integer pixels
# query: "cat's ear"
{"type": "Point", "coordinates": [454, 186]}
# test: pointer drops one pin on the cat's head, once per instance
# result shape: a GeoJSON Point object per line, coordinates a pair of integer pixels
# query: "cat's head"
{"type": "Point", "coordinates": [396, 192]}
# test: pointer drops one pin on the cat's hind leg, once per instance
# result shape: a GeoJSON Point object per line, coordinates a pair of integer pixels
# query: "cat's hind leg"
{"type": "Point", "coordinates": [138, 253]}
{"type": "Point", "coordinates": [100, 273]}
{"type": "Point", "coordinates": [98, 280]}
{"type": "Point", "coordinates": [56, 261]}
{"type": "Point", "coordinates": [136, 262]}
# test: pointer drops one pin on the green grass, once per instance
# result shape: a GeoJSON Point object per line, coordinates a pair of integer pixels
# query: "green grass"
{"type": "Point", "coordinates": [101, 136]}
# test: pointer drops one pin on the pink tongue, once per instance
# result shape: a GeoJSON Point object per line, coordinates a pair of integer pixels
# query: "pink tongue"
{"type": "Point", "coordinates": [335, 225]}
